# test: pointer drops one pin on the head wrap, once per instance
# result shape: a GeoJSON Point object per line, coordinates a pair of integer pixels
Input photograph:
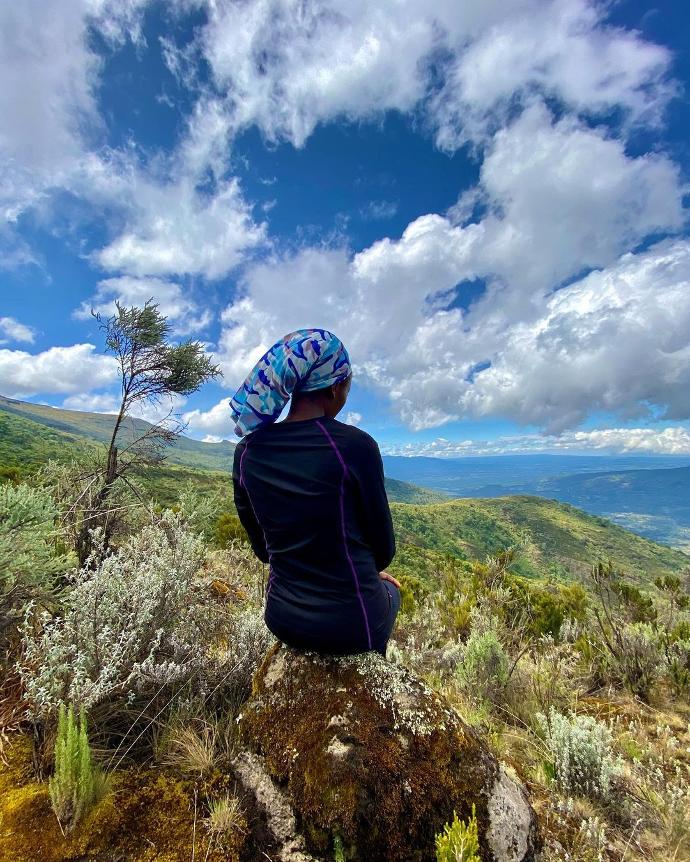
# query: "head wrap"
{"type": "Point", "coordinates": [303, 360]}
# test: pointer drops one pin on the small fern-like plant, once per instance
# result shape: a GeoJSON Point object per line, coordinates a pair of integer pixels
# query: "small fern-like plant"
{"type": "Point", "coordinates": [459, 841]}
{"type": "Point", "coordinates": [77, 783]}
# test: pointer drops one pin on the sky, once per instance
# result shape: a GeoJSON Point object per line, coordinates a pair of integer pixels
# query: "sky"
{"type": "Point", "coordinates": [487, 202]}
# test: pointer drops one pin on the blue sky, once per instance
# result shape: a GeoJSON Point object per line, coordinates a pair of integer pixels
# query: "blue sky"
{"type": "Point", "coordinates": [486, 202]}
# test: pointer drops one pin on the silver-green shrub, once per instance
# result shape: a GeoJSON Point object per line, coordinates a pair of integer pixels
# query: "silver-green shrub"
{"type": "Point", "coordinates": [27, 532]}
{"type": "Point", "coordinates": [126, 626]}
{"type": "Point", "coordinates": [29, 560]}
{"type": "Point", "coordinates": [484, 668]}
{"type": "Point", "coordinates": [581, 755]}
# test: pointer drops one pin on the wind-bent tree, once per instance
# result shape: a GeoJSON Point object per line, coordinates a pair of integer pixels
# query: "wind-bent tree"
{"type": "Point", "coordinates": [151, 369]}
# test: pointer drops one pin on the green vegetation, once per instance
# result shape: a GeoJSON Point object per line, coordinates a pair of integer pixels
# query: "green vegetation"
{"type": "Point", "coordinates": [459, 841]}
{"type": "Point", "coordinates": [558, 541]}
{"type": "Point", "coordinates": [97, 428]}
{"type": "Point", "coordinates": [77, 783]}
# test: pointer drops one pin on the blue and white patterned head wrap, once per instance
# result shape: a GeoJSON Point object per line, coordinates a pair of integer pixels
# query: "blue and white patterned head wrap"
{"type": "Point", "coordinates": [303, 360]}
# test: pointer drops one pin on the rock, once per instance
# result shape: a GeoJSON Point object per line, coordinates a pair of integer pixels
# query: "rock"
{"type": "Point", "coordinates": [365, 751]}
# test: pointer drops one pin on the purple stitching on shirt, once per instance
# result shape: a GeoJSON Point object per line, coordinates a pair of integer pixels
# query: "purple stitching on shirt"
{"type": "Point", "coordinates": [342, 525]}
{"type": "Point", "coordinates": [271, 573]}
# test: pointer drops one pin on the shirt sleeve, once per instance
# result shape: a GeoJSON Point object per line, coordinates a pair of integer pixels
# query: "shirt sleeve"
{"type": "Point", "coordinates": [245, 510]}
{"type": "Point", "coordinates": [367, 470]}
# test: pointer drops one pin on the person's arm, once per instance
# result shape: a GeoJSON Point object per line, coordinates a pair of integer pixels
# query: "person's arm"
{"type": "Point", "coordinates": [367, 469]}
{"type": "Point", "coordinates": [245, 510]}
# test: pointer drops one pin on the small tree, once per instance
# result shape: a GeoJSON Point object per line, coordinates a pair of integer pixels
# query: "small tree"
{"type": "Point", "coordinates": [150, 369]}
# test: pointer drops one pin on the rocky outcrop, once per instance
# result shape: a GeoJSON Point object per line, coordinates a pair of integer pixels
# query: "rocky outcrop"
{"type": "Point", "coordinates": [372, 761]}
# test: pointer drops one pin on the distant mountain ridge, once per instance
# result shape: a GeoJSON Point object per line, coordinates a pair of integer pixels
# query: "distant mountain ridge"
{"type": "Point", "coordinates": [648, 494]}
{"type": "Point", "coordinates": [99, 427]}
{"type": "Point", "coordinates": [29, 437]}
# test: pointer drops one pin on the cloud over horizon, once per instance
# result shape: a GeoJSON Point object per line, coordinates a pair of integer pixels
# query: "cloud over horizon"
{"type": "Point", "coordinates": [554, 287]}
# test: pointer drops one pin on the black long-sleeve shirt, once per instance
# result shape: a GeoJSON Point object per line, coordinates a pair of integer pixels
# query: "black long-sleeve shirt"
{"type": "Point", "coordinates": [311, 496]}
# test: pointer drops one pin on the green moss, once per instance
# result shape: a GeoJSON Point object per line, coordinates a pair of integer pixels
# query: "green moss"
{"type": "Point", "coordinates": [366, 751]}
{"type": "Point", "coordinates": [149, 816]}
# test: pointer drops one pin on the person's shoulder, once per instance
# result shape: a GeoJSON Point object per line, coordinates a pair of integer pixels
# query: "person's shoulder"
{"type": "Point", "coordinates": [356, 438]}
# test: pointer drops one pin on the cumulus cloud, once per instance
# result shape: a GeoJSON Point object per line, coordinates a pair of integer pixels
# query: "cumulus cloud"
{"type": "Point", "coordinates": [57, 370]}
{"type": "Point", "coordinates": [92, 403]}
{"type": "Point", "coordinates": [216, 422]}
{"type": "Point", "coordinates": [180, 213]}
{"type": "Point", "coordinates": [13, 330]}
{"type": "Point", "coordinates": [286, 67]}
{"type": "Point", "coordinates": [577, 202]}
{"type": "Point", "coordinates": [169, 408]}
{"type": "Point", "coordinates": [182, 312]}
{"type": "Point", "coordinates": [352, 417]}
{"type": "Point", "coordinates": [643, 441]}
{"type": "Point", "coordinates": [173, 229]}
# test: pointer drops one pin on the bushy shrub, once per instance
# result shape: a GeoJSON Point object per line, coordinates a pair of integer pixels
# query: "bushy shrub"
{"type": "Point", "coordinates": [678, 661]}
{"type": "Point", "coordinates": [77, 783]}
{"type": "Point", "coordinates": [483, 671]}
{"type": "Point", "coordinates": [459, 841]}
{"type": "Point", "coordinates": [29, 557]}
{"type": "Point", "coordinates": [582, 760]}
{"type": "Point", "coordinates": [636, 660]}
{"type": "Point", "coordinates": [127, 625]}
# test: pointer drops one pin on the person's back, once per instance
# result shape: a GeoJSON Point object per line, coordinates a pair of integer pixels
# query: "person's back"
{"type": "Point", "coordinates": [311, 495]}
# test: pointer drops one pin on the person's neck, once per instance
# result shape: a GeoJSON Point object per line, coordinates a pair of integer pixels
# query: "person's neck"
{"type": "Point", "coordinates": [305, 413]}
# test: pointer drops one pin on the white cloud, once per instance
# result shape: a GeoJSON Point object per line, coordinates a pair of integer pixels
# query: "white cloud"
{"type": "Point", "coordinates": [173, 229]}
{"type": "Point", "coordinates": [182, 312]}
{"type": "Point", "coordinates": [287, 67]}
{"type": "Point", "coordinates": [57, 370]}
{"type": "Point", "coordinates": [375, 210]}
{"type": "Point", "coordinates": [352, 417]}
{"type": "Point", "coordinates": [109, 403]}
{"type": "Point", "coordinates": [561, 49]}
{"type": "Point", "coordinates": [576, 202]}
{"type": "Point", "coordinates": [644, 441]}
{"type": "Point", "coordinates": [216, 422]}
{"type": "Point", "coordinates": [13, 330]}
{"type": "Point", "coordinates": [51, 139]}
{"type": "Point", "coordinates": [92, 403]}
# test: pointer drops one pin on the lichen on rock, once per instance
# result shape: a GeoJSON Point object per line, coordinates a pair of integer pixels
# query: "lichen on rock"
{"type": "Point", "coordinates": [365, 750]}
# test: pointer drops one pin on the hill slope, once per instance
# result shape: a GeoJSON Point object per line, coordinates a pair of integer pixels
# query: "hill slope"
{"type": "Point", "coordinates": [25, 445]}
{"type": "Point", "coordinates": [98, 427]}
{"type": "Point", "coordinates": [560, 540]}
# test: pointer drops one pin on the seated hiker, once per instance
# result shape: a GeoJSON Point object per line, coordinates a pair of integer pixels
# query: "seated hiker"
{"type": "Point", "coordinates": [309, 491]}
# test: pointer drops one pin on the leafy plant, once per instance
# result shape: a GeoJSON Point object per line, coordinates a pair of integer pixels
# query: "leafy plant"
{"type": "Point", "coordinates": [582, 759]}
{"type": "Point", "coordinates": [77, 782]}
{"type": "Point", "coordinates": [29, 555]}
{"type": "Point", "coordinates": [459, 841]}
{"type": "Point", "coordinates": [126, 626]}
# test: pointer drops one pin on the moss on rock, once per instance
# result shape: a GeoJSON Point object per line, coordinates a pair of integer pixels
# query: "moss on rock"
{"type": "Point", "coordinates": [368, 752]}
{"type": "Point", "coordinates": [148, 816]}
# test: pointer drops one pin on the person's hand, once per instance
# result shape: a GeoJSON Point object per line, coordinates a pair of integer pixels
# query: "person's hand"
{"type": "Point", "coordinates": [387, 577]}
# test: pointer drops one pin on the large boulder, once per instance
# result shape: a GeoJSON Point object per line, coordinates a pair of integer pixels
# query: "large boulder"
{"type": "Point", "coordinates": [372, 760]}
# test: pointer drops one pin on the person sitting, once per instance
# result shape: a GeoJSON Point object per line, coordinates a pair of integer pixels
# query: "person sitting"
{"type": "Point", "coordinates": [309, 490]}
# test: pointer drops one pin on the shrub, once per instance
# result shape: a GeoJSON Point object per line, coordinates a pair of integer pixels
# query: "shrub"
{"type": "Point", "coordinates": [678, 660]}
{"type": "Point", "coordinates": [459, 841]}
{"type": "Point", "coordinates": [636, 660]}
{"type": "Point", "coordinates": [76, 783]}
{"type": "Point", "coordinates": [483, 671]}
{"type": "Point", "coordinates": [29, 559]}
{"type": "Point", "coordinates": [582, 760]}
{"type": "Point", "coordinates": [126, 626]}
{"type": "Point", "coordinates": [228, 528]}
